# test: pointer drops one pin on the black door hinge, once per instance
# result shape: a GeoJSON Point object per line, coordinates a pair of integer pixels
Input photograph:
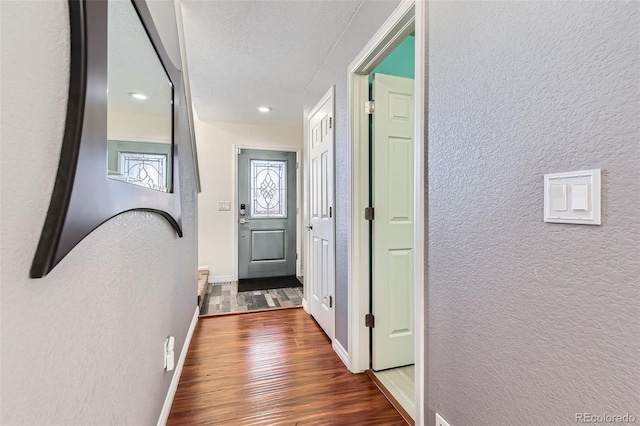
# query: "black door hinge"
{"type": "Point", "coordinates": [369, 321]}
{"type": "Point", "coordinates": [368, 213]}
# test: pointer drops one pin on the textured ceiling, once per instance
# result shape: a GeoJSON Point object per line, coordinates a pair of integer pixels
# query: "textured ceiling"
{"type": "Point", "coordinates": [243, 54]}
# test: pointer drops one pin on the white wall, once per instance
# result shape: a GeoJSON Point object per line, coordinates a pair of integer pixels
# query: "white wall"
{"type": "Point", "coordinates": [128, 126]}
{"type": "Point", "coordinates": [217, 158]}
{"type": "Point", "coordinates": [84, 345]}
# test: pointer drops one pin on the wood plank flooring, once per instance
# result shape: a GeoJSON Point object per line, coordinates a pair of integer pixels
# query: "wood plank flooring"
{"type": "Point", "coordinates": [272, 368]}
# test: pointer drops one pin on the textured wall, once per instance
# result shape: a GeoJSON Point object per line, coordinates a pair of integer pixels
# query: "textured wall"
{"type": "Point", "coordinates": [532, 322]}
{"type": "Point", "coordinates": [217, 158]}
{"type": "Point", "coordinates": [83, 345]}
{"type": "Point", "coordinates": [366, 21]}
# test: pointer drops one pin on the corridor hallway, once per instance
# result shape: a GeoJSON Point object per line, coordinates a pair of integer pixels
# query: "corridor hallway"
{"type": "Point", "coordinates": [272, 368]}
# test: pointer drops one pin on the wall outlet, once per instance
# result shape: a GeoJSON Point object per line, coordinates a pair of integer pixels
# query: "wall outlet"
{"type": "Point", "coordinates": [169, 354]}
{"type": "Point", "coordinates": [224, 206]}
{"type": "Point", "coordinates": [440, 421]}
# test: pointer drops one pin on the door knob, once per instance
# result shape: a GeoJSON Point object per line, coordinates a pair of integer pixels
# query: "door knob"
{"type": "Point", "coordinates": [309, 227]}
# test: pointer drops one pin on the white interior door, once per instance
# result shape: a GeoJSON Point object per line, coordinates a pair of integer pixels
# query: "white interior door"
{"type": "Point", "coordinates": [321, 228]}
{"type": "Point", "coordinates": [393, 180]}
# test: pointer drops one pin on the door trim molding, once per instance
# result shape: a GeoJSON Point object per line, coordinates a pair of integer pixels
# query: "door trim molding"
{"type": "Point", "coordinates": [299, 196]}
{"type": "Point", "coordinates": [409, 16]}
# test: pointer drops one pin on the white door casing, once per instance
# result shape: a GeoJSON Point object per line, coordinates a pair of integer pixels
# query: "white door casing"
{"type": "Point", "coordinates": [321, 226]}
{"type": "Point", "coordinates": [393, 225]}
{"type": "Point", "coordinates": [409, 17]}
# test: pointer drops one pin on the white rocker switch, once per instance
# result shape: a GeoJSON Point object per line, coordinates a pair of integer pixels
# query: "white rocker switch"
{"type": "Point", "coordinates": [580, 197]}
{"type": "Point", "coordinates": [559, 198]}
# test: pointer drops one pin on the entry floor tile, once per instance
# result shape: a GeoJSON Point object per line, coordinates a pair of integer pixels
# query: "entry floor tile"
{"type": "Point", "coordinates": [224, 297]}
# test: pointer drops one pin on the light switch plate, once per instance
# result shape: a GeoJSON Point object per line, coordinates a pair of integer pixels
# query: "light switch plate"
{"type": "Point", "coordinates": [224, 206]}
{"type": "Point", "coordinates": [573, 197]}
{"type": "Point", "coordinates": [440, 421]}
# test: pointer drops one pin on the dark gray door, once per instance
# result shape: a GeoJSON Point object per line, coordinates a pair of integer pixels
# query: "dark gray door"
{"type": "Point", "coordinates": [267, 228]}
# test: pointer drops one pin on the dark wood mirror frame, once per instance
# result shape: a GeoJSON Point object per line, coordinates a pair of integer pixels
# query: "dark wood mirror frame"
{"type": "Point", "coordinates": [83, 196]}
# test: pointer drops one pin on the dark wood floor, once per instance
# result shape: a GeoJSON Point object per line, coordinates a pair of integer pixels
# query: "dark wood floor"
{"type": "Point", "coordinates": [272, 368]}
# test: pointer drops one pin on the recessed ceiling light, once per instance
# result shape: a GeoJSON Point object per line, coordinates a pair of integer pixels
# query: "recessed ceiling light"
{"type": "Point", "coordinates": [138, 96]}
{"type": "Point", "coordinates": [264, 109]}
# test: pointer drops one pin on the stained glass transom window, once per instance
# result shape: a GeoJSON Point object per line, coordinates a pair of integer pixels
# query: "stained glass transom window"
{"type": "Point", "coordinates": [268, 188]}
{"type": "Point", "coordinates": [148, 170]}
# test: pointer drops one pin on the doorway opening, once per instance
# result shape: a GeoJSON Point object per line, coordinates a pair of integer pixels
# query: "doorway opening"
{"type": "Point", "coordinates": [391, 181]}
{"type": "Point", "coordinates": [267, 238]}
{"type": "Point", "coordinates": [386, 244]}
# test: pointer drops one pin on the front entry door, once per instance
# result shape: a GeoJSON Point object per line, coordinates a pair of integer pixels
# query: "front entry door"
{"type": "Point", "coordinates": [392, 172]}
{"type": "Point", "coordinates": [267, 213]}
{"type": "Point", "coordinates": [321, 277]}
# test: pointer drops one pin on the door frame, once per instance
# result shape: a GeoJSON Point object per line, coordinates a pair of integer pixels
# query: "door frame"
{"type": "Point", "coordinates": [299, 195]}
{"type": "Point", "coordinates": [409, 16]}
{"type": "Point", "coordinates": [329, 94]}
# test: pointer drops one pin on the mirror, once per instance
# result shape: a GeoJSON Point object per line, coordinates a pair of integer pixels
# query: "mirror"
{"type": "Point", "coordinates": [115, 52]}
{"type": "Point", "coordinates": [139, 104]}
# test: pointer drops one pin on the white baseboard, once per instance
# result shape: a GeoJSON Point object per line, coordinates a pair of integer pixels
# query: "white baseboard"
{"type": "Point", "coordinates": [305, 306]}
{"type": "Point", "coordinates": [222, 278]}
{"type": "Point", "coordinates": [342, 353]}
{"type": "Point", "coordinates": [166, 408]}
{"type": "Point", "coordinates": [203, 268]}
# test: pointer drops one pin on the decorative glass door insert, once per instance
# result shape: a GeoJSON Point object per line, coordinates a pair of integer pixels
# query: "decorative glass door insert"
{"type": "Point", "coordinates": [149, 170]}
{"type": "Point", "coordinates": [268, 189]}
